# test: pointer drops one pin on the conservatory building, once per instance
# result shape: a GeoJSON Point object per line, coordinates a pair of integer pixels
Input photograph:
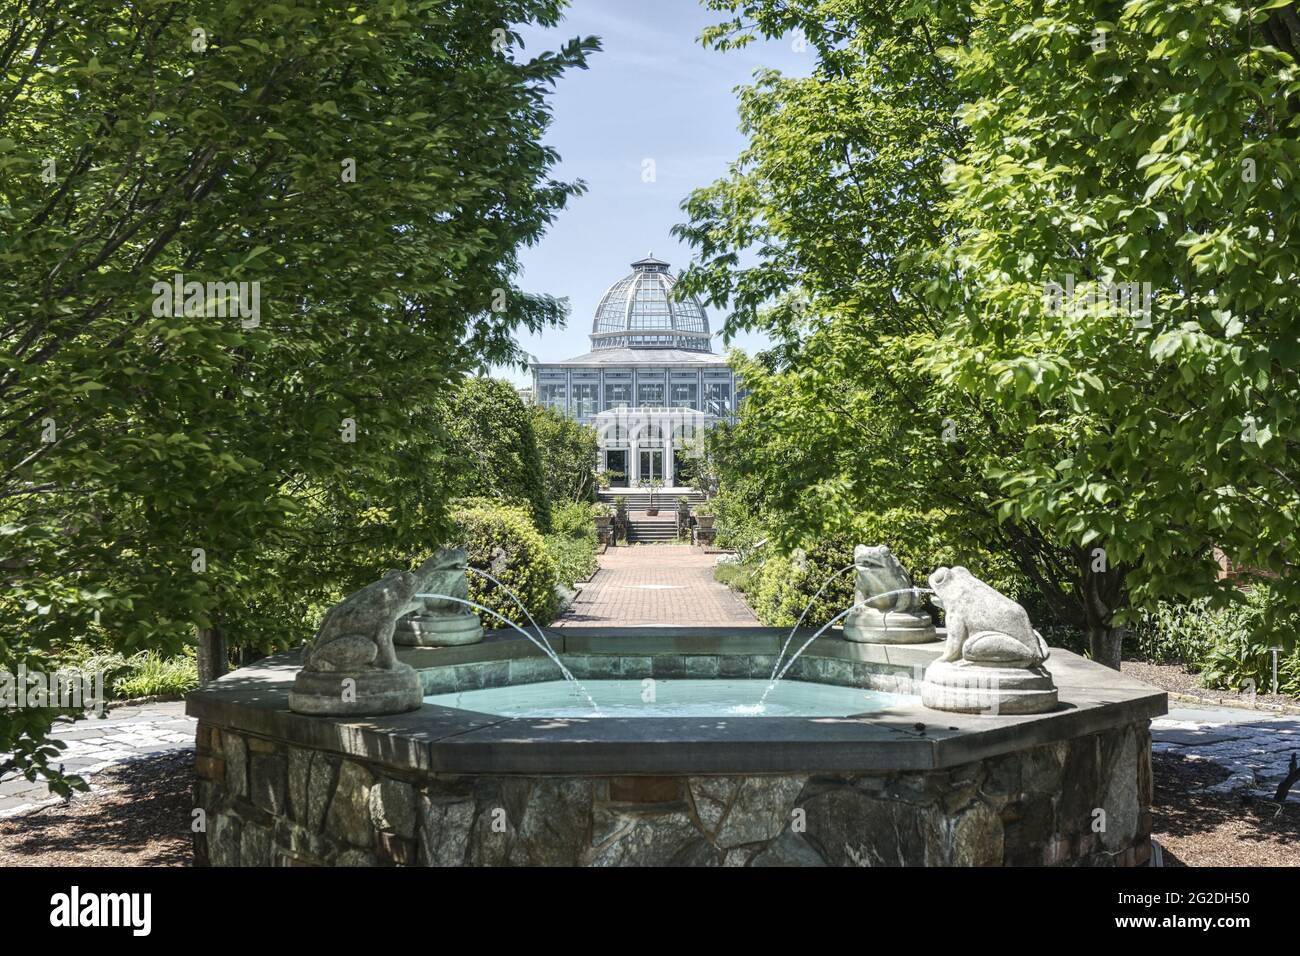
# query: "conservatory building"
{"type": "Point", "coordinates": [651, 383]}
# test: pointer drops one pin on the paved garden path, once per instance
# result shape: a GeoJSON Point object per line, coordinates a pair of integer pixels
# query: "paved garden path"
{"type": "Point", "coordinates": [95, 743]}
{"type": "Point", "coordinates": [1255, 747]}
{"type": "Point", "coordinates": [656, 585]}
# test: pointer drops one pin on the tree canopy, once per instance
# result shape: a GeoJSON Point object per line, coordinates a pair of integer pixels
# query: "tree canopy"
{"type": "Point", "coordinates": [347, 187]}
{"type": "Point", "coordinates": [494, 448]}
{"type": "Point", "coordinates": [895, 222]}
{"type": "Point", "coordinates": [568, 451]}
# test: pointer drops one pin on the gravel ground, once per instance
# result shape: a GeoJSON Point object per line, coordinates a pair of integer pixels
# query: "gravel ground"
{"type": "Point", "coordinates": [137, 815]}
{"type": "Point", "coordinates": [1178, 679]}
{"type": "Point", "coordinates": [141, 815]}
{"type": "Point", "coordinates": [1196, 828]}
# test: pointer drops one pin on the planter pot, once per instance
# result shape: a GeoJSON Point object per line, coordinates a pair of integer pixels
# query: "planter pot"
{"type": "Point", "coordinates": [603, 522]}
{"type": "Point", "coordinates": [704, 521]}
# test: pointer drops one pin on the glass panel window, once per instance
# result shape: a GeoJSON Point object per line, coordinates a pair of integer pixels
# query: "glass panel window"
{"type": "Point", "coordinates": [652, 466]}
{"type": "Point", "coordinates": [618, 396]}
{"type": "Point", "coordinates": [584, 400]}
{"type": "Point", "coordinates": [554, 396]}
{"type": "Point", "coordinates": [685, 394]}
{"type": "Point", "coordinates": [717, 398]}
{"type": "Point", "coordinates": [649, 395]}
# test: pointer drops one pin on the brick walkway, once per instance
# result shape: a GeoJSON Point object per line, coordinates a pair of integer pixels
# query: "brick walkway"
{"type": "Point", "coordinates": [656, 585]}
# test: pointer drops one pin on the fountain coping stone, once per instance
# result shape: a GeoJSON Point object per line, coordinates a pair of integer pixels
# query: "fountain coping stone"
{"type": "Point", "coordinates": [438, 739]}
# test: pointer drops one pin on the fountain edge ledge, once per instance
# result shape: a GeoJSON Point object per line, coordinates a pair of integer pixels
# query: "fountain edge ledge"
{"type": "Point", "coordinates": [433, 739]}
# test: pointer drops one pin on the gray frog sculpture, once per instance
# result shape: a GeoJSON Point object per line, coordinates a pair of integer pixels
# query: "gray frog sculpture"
{"type": "Point", "coordinates": [993, 660]}
{"type": "Point", "coordinates": [883, 615]}
{"type": "Point", "coordinates": [351, 667]}
{"type": "Point", "coordinates": [984, 625]}
{"type": "Point", "coordinates": [437, 622]}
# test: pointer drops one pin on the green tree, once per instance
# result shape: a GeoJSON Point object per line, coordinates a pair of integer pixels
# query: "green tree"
{"type": "Point", "coordinates": [495, 448]}
{"type": "Point", "coordinates": [834, 208]}
{"type": "Point", "coordinates": [908, 203]}
{"type": "Point", "coordinates": [568, 450]}
{"type": "Point", "coordinates": [1117, 149]}
{"type": "Point", "coordinates": [368, 174]}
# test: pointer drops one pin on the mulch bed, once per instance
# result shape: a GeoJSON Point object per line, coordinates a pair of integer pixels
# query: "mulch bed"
{"type": "Point", "coordinates": [1179, 679]}
{"type": "Point", "coordinates": [138, 815]}
{"type": "Point", "coordinates": [1196, 828]}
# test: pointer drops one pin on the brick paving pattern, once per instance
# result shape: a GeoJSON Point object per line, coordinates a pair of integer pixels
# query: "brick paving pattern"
{"type": "Point", "coordinates": [656, 585]}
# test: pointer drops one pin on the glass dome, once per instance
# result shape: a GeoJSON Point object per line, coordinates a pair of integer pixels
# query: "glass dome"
{"type": "Point", "coordinates": [639, 312]}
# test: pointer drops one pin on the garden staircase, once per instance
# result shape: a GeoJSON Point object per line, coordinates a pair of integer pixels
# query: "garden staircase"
{"type": "Point", "coordinates": [638, 499]}
{"type": "Point", "coordinates": [652, 529]}
{"type": "Point", "coordinates": [643, 528]}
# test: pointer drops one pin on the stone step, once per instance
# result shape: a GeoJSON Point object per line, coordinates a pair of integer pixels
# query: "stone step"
{"type": "Point", "coordinates": [640, 500]}
{"type": "Point", "coordinates": [642, 537]}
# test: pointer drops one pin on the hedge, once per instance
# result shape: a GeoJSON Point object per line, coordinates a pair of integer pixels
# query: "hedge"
{"type": "Point", "coordinates": [502, 540]}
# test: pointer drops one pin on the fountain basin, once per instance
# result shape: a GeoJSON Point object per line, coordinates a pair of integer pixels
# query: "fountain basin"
{"type": "Point", "coordinates": [703, 697]}
{"type": "Point", "coordinates": [461, 785]}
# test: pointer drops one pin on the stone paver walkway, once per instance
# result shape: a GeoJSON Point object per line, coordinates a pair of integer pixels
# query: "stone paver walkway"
{"type": "Point", "coordinates": [1254, 747]}
{"type": "Point", "coordinates": [656, 585]}
{"type": "Point", "coordinates": [94, 744]}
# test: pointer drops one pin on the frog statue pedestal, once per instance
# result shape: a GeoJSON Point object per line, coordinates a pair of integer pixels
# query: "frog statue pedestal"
{"type": "Point", "coordinates": [993, 660]}
{"type": "Point", "coordinates": [350, 668]}
{"type": "Point", "coordinates": [879, 616]}
{"type": "Point", "coordinates": [436, 622]}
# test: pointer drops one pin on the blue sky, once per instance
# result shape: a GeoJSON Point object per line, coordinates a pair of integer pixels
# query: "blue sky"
{"type": "Point", "coordinates": [652, 92]}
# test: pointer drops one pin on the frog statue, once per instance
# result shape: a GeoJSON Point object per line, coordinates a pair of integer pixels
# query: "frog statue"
{"type": "Point", "coordinates": [993, 659]}
{"type": "Point", "coordinates": [886, 610]}
{"type": "Point", "coordinates": [350, 668]}
{"type": "Point", "coordinates": [438, 622]}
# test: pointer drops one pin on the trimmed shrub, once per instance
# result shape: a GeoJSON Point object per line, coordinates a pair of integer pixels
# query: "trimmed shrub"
{"type": "Point", "coordinates": [575, 559]}
{"type": "Point", "coordinates": [573, 543]}
{"type": "Point", "coordinates": [787, 583]}
{"type": "Point", "coordinates": [501, 540]}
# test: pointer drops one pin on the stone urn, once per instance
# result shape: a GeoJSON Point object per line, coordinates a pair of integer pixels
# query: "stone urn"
{"type": "Point", "coordinates": [705, 521]}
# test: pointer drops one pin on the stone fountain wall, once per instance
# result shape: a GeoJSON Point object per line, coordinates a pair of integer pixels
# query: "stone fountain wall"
{"type": "Point", "coordinates": [1084, 802]}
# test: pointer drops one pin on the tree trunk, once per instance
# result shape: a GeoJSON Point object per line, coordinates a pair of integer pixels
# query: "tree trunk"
{"type": "Point", "coordinates": [1105, 645]}
{"type": "Point", "coordinates": [211, 654]}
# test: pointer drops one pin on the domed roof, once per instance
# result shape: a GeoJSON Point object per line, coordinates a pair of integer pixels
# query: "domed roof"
{"type": "Point", "coordinates": [638, 311]}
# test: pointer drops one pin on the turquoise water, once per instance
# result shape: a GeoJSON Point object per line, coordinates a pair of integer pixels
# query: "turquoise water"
{"type": "Point", "coordinates": [671, 698]}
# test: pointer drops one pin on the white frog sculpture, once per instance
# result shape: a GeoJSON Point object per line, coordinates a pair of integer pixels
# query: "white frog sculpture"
{"type": "Point", "coordinates": [984, 625]}
{"type": "Point", "coordinates": [887, 609]}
